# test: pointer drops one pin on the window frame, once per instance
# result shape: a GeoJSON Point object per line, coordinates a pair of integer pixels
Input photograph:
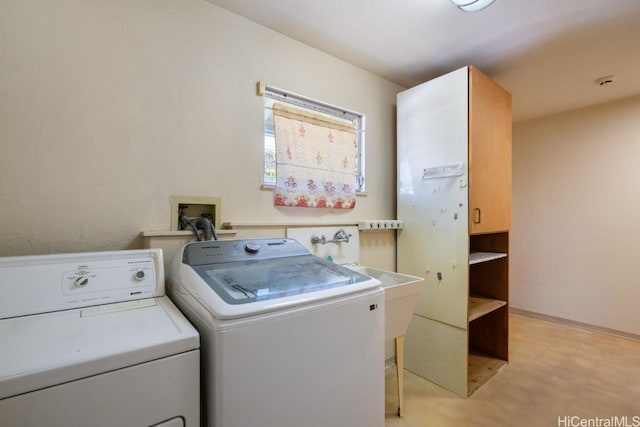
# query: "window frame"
{"type": "Point", "coordinates": [272, 94]}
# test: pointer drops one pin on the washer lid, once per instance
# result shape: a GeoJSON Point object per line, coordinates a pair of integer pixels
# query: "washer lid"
{"type": "Point", "coordinates": [48, 349]}
{"type": "Point", "coordinates": [240, 278]}
{"type": "Point", "coordinates": [251, 281]}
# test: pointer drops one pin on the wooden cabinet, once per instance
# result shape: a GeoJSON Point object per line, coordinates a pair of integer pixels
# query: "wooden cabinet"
{"type": "Point", "coordinates": [454, 196]}
{"type": "Point", "coordinates": [489, 155]}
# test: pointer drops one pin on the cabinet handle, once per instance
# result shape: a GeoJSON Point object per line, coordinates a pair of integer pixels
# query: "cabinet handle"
{"type": "Point", "coordinates": [477, 215]}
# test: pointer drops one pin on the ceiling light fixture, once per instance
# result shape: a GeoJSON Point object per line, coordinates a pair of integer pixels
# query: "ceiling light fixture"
{"type": "Point", "coordinates": [472, 5]}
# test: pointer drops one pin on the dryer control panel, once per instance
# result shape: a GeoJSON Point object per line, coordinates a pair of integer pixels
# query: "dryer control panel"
{"type": "Point", "coordinates": [44, 283]}
{"type": "Point", "coordinates": [103, 279]}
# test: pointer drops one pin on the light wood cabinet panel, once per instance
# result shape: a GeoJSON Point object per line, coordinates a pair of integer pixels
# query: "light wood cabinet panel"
{"type": "Point", "coordinates": [489, 155]}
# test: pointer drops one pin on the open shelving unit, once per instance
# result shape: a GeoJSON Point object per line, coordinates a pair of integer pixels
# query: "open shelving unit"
{"type": "Point", "coordinates": [488, 326]}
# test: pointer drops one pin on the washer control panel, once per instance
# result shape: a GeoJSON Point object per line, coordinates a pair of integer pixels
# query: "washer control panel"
{"type": "Point", "coordinates": [219, 251]}
{"type": "Point", "coordinates": [43, 283]}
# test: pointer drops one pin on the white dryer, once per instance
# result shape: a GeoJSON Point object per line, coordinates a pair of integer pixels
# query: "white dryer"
{"type": "Point", "coordinates": [288, 339]}
{"type": "Point", "coordinates": [90, 339]}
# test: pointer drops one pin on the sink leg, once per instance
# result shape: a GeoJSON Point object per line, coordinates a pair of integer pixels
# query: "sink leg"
{"type": "Point", "coordinates": [400, 371]}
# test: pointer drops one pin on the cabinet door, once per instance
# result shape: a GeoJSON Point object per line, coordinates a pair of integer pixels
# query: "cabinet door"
{"type": "Point", "coordinates": [489, 155]}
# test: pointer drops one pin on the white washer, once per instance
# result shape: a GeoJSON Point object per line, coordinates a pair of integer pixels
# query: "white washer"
{"type": "Point", "coordinates": [89, 339]}
{"type": "Point", "coordinates": [288, 338]}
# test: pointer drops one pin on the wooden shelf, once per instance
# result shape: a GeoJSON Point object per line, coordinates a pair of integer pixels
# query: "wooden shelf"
{"type": "Point", "coordinates": [481, 368]}
{"type": "Point", "coordinates": [479, 306]}
{"type": "Point", "coordinates": [284, 224]}
{"type": "Point", "coordinates": [478, 257]}
{"type": "Point", "coordinates": [181, 233]}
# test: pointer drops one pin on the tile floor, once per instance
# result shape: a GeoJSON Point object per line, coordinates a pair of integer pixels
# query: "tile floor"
{"type": "Point", "coordinates": [558, 375]}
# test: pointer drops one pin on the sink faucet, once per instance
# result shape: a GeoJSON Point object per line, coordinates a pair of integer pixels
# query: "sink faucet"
{"type": "Point", "coordinates": [339, 237]}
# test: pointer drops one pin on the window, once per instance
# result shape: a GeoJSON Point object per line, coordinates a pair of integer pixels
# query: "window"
{"type": "Point", "coordinates": [271, 95]}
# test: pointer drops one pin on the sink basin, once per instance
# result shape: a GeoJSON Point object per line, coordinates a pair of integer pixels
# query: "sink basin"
{"type": "Point", "coordinates": [401, 295]}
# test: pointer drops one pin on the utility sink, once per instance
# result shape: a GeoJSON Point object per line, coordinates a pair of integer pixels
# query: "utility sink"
{"type": "Point", "coordinates": [401, 296]}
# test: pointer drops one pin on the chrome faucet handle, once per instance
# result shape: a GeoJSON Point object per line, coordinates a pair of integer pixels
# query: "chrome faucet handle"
{"type": "Point", "coordinates": [341, 236]}
{"type": "Point", "coordinates": [321, 240]}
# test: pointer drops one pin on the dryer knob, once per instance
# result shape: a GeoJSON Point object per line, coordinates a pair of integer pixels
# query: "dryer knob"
{"type": "Point", "coordinates": [139, 275]}
{"type": "Point", "coordinates": [251, 248]}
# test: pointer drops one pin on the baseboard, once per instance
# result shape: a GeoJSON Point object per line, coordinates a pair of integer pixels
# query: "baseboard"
{"type": "Point", "coordinates": [568, 322]}
{"type": "Point", "coordinates": [390, 363]}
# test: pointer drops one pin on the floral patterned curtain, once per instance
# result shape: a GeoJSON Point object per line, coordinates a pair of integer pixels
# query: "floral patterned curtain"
{"type": "Point", "coordinates": [315, 160]}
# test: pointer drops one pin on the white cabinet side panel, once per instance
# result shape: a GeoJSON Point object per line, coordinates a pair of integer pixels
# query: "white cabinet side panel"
{"type": "Point", "coordinates": [433, 132]}
{"type": "Point", "coordinates": [437, 352]}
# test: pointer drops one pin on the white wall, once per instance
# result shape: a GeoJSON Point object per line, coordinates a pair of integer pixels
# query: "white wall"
{"type": "Point", "coordinates": [575, 244]}
{"type": "Point", "coordinates": [107, 108]}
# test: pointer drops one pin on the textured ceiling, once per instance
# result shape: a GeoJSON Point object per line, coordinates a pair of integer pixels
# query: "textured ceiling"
{"type": "Point", "coordinates": [547, 53]}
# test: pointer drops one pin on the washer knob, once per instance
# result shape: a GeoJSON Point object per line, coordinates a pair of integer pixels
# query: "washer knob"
{"type": "Point", "coordinates": [139, 276]}
{"type": "Point", "coordinates": [251, 248]}
{"type": "Point", "coordinates": [81, 281]}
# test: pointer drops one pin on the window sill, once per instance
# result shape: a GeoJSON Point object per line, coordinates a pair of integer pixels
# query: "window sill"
{"type": "Point", "coordinates": [268, 187]}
